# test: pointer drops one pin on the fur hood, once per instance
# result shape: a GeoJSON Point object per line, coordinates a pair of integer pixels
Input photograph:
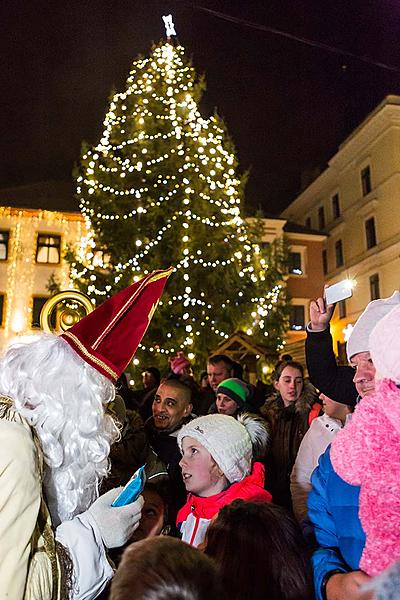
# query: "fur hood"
{"type": "Point", "coordinates": [274, 404]}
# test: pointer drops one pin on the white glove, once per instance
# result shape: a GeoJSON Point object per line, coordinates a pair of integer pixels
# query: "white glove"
{"type": "Point", "coordinates": [116, 524]}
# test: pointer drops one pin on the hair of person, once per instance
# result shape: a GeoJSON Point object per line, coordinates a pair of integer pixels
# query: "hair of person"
{"type": "Point", "coordinates": [260, 551]}
{"type": "Point", "coordinates": [63, 398]}
{"type": "Point", "coordinates": [165, 568]}
{"type": "Point", "coordinates": [218, 358]}
{"type": "Point", "coordinates": [177, 384]}
{"type": "Point", "coordinates": [155, 372]}
{"type": "Point", "coordinates": [282, 364]}
{"type": "Point", "coordinates": [237, 370]}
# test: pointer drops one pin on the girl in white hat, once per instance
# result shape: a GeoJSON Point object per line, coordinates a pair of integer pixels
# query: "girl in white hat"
{"type": "Point", "coordinates": [217, 467]}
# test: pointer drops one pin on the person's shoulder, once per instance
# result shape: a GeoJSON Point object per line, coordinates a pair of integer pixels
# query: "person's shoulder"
{"type": "Point", "coordinates": [18, 445]}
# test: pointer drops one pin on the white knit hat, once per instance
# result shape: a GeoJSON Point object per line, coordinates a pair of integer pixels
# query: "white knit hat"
{"type": "Point", "coordinates": [374, 312]}
{"type": "Point", "coordinates": [227, 440]}
{"type": "Point", "coordinates": [384, 345]}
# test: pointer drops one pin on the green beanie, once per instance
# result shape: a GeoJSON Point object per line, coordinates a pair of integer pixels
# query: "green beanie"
{"type": "Point", "coordinates": [236, 390]}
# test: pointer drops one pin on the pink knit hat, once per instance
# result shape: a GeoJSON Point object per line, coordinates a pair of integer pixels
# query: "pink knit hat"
{"type": "Point", "coordinates": [384, 345]}
{"type": "Point", "coordinates": [179, 364]}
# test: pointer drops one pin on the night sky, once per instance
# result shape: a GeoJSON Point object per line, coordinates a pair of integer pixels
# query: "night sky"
{"type": "Point", "coordinates": [287, 105]}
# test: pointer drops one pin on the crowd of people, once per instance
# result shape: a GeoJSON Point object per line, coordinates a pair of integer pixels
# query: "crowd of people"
{"type": "Point", "coordinates": [282, 492]}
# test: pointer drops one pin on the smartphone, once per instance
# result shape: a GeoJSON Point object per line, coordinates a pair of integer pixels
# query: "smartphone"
{"type": "Point", "coordinates": [132, 489]}
{"type": "Point", "coordinates": [339, 291]}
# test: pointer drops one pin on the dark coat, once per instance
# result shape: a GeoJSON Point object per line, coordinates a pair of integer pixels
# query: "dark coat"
{"type": "Point", "coordinates": [335, 381]}
{"type": "Point", "coordinates": [287, 426]}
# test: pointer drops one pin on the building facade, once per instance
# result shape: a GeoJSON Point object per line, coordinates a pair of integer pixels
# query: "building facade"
{"type": "Point", "coordinates": [356, 202]}
{"type": "Point", "coordinates": [33, 242]}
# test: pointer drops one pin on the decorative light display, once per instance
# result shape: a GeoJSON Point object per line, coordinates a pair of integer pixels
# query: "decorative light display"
{"type": "Point", "coordinates": [25, 278]}
{"type": "Point", "coordinates": [161, 188]}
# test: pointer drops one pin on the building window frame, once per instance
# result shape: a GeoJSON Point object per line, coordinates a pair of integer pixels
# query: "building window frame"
{"type": "Point", "coordinates": [335, 202]}
{"type": "Point", "coordinates": [366, 182]}
{"type": "Point", "coordinates": [339, 254]}
{"type": "Point", "coordinates": [321, 217]}
{"type": "Point", "coordinates": [4, 244]}
{"type": "Point", "coordinates": [370, 233]}
{"type": "Point", "coordinates": [2, 308]}
{"type": "Point", "coordinates": [298, 267]}
{"type": "Point", "coordinates": [374, 287]}
{"type": "Point", "coordinates": [48, 249]}
{"type": "Point", "coordinates": [325, 261]}
{"type": "Point", "coordinates": [37, 304]}
{"type": "Point", "coordinates": [342, 309]}
{"type": "Point", "coordinates": [297, 317]}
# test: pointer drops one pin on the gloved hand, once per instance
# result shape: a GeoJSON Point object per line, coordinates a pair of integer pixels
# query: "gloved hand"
{"type": "Point", "coordinates": [115, 523]}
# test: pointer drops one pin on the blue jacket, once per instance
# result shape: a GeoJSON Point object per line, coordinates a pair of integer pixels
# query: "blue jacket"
{"type": "Point", "coordinates": [333, 511]}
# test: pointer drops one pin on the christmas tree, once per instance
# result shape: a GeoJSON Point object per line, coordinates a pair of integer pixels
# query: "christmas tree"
{"type": "Point", "coordinates": [162, 188]}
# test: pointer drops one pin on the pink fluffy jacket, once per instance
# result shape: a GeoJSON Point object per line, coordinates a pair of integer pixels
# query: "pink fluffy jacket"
{"type": "Point", "coordinates": [366, 452]}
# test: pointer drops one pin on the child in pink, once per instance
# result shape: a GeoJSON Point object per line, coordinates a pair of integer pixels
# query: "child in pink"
{"type": "Point", "coordinates": [217, 468]}
{"type": "Point", "coordinates": [367, 451]}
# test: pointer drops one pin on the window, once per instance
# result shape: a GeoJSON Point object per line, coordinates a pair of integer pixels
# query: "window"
{"type": "Point", "coordinates": [4, 237]}
{"type": "Point", "coordinates": [374, 287]}
{"type": "Point", "coordinates": [325, 261]}
{"type": "Point", "coordinates": [308, 222]}
{"type": "Point", "coordinates": [38, 304]}
{"type": "Point", "coordinates": [1, 309]}
{"type": "Point", "coordinates": [342, 309]}
{"type": "Point", "coordinates": [339, 253]}
{"type": "Point", "coordinates": [48, 249]}
{"type": "Point", "coordinates": [366, 180]}
{"type": "Point", "coordinates": [297, 320]}
{"type": "Point", "coordinates": [321, 217]}
{"type": "Point", "coordinates": [342, 354]}
{"type": "Point", "coordinates": [295, 267]}
{"type": "Point", "coordinates": [335, 206]}
{"type": "Point", "coordinates": [370, 233]}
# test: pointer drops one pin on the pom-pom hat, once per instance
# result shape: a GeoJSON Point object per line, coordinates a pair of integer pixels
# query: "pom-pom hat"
{"type": "Point", "coordinates": [108, 337]}
{"type": "Point", "coordinates": [374, 312]}
{"type": "Point", "coordinates": [226, 439]}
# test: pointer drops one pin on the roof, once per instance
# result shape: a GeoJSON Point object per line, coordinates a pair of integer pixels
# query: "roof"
{"type": "Point", "coordinates": [292, 227]}
{"type": "Point", "coordinates": [45, 195]}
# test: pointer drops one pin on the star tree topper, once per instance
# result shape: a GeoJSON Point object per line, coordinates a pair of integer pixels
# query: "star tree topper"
{"type": "Point", "coordinates": [169, 26]}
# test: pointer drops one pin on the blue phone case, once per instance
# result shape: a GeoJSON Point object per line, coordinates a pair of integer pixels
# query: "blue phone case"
{"type": "Point", "coordinates": [132, 489]}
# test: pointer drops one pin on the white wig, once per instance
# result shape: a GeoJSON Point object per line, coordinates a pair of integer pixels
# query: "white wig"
{"type": "Point", "coordinates": [62, 397]}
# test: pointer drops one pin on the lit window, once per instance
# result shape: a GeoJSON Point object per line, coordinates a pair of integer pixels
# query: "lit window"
{"type": "Point", "coordinates": [48, 249]}
{"type": "Point", "coordinates": [296, 319]}
{"type": "Point", "coordinates": [4, 238]}
{"type": "Point", "coordinates": [295, 266]}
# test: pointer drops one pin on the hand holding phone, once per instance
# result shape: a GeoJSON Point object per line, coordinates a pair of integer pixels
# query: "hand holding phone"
{"type": "Point", "coordinates": [132, 489]}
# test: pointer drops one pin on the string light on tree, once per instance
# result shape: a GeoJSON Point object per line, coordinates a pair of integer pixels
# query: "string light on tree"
{"type": "Point", "coordinates": [162, 187]}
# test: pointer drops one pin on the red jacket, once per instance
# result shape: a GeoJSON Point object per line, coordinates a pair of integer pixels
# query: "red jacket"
{"type": "Point", "coordinates": [195, 516]}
